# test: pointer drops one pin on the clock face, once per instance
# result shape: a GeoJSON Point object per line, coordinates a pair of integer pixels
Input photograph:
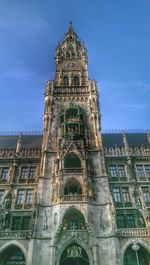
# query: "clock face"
{"type": "Point", "coordinates": [70, 66]}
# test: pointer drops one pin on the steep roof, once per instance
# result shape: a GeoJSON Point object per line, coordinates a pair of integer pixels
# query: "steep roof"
{"type": "Point", "coordinates": [109, 140]}
{"type": "Point", "coordinates": [27, 141]}
{"type": "Point", "coordinates": [133, 139]}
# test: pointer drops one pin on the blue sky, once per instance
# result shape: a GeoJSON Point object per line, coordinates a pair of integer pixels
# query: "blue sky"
{"type": "Point", "coordinates": [117, 36]}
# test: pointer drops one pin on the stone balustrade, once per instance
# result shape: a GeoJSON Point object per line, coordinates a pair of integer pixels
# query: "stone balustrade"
{"type": "Point", "coordinates": [71, 90]}
{"type": "Point", "coordinates": [133, 232]}
{"type": "Point", "coordinates": [11, 154]}
{"type": "Point", "coordinates": [24, 234]}
{"type": "Point", "coordinates": [121, 151]}
{"type": "Point", "coordinates": [72, 170]}
{"type": "Point", "coordinates": [74, 198]}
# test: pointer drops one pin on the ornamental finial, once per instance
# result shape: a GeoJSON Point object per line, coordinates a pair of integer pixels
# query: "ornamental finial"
{"type": "Point", "coordinates": [70, 27]}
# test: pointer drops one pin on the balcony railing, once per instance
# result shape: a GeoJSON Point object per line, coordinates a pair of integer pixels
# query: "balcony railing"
{"type": "Point", "coordinates": [121, 151]}
{"type": "Point", "coordinates": [133, 232]}
{"type": "Point", "coordinates": [11, 154]}
{"type": "Point", "coordinates": [71, 90]}
{"type": "Point", "coordinates": [74, 198]}
{"type": "Point", "coordinates": [81, 234]}
{"type": "Point", "coordinates": [26, 234]}
{"type": "Point", "coordinates": [72, 170]}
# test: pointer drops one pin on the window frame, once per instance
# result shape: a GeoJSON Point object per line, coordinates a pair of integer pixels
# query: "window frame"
{"type": "Point", "coordinates": [146, 194]}
{"type": "Point", "coordinates": [145, 171]}
{"type": "Point", "coordinates": [20, 202]}
{"type": "Point", "coordinates": [117, 171]}
{"type": "Point", "coordinates": [123, 193]}
{"type": "Point", "coordinates": [29, 197]}
{"type": "Point", "coordinates": [5, 175]}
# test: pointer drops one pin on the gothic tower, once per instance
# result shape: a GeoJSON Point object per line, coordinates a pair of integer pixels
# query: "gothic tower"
{"type": "Point", "coordinates": [75, 206]}
{"type": "Point", "coordinates": [74, 195]}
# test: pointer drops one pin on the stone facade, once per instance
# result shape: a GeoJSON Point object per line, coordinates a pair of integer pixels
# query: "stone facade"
{"type": "Point", "coordinates": [74, 195]}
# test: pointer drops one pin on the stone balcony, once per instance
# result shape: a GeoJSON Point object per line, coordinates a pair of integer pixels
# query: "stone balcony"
{"type": "Point", "coordinates": [72, 171]}
{"type": "Point", "coordinates": [75, 198]}
{"type": "Point", "coordinates": [133, 232]}
{"type": "Point", "coordinates": [16, 234]}
{"type": "Point", "coordinates": [71, 90]}
{"type": "Point", "coordinates": [82, 234]}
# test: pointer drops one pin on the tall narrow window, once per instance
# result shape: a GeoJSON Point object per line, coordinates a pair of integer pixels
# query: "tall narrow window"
{"type": "Point", "coordinates": [26, 222]}
{"type": "Point", "coordinates": [5, 173]}
{"type": "Point", "coordinates": [76, 81]}
{"type": "Point", "coordinates": [147, 170]}
{"type": "Point", "coordinates": [120, 219]}
{"type": "Point", "coordinates": [121, 171]}
{"type": "Point", "coordinates": [20, 197]}
{"type": "Point", "coordinates": [146, 194]}
{"type": "Point", "coordinates": [117, 195]}
{"type": "Point", "coordinates": [113, 171]}
{"type": "Point", "coordinates": [125, 195]}
{"type": "Point", "coordinates": [29, 197]}
{"type": "Point", "coordinates": [65, 81]}
{"type": "Point", "coordinates": [130, 221]}
{"type": "Point", "coordinates": [140, 171]}
{"type": "Point", "coordinates": [24, 173]}
{"type": "Point", "coordinates": [32, 173]}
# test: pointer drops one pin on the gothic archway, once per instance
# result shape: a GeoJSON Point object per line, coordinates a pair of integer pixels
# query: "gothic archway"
{"type": "Point", "coordinates": [135, 254]}
{"type": "Point", "coordinates": [12, 255]}
{"type": "Point", "coordinates": [74, 254]}
{"type": "Point", "coordinates": [72, 187]}
{"type": "Point", "coordinates": [73, 220]}
{"type": "Point", "coordinates": [72, 161]}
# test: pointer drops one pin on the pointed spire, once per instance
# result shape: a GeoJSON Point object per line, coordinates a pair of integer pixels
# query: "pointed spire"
{"type": "Point", "coordinates": [70, 27]}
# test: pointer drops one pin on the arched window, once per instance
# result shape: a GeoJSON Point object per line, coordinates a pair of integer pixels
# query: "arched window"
{"type": "Point", "coordinates": [135, 255]}
{"type": "Point", "coordinates": [72, 161]}
{"type": "Point", "coordinates": [73, 188]}
{"type": "Point", "coordinates": [12, 255]}
{"type": "Point", "coordinates": [67, 54]}
{"type": "Point", "coordinates": [65, 81]}
{"type": "Point", "coordinates": [73, 220]}
{"type": "Point", "coordinates": [76, 81]}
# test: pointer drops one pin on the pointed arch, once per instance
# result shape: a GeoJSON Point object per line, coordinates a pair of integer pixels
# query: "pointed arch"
{"type": "Point", "coordinates": [129, 256]}
{"type": "Point", "coordinates": [72, 187]}
{"type": "Point", "coordinates": [76, 81]}
{"type": "Point", "coordinates": [73, 220]}
{"type": "Point", "coordinates": [65, 80]}
{"type": "Point", "coordinates": [13, 250]}
{"type": "Point", "coordinates": [69, 242]}
{"type": "Point", "coordinates": [71, 160]}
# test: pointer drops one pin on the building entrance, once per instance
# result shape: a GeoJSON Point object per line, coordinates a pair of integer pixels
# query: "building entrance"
{"type": "Point", "coordinates": [12, 256]}
{"type": "Point", "coordinates": [136, 255]}
{"type": "Point", "coordinates": [74, 254]}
